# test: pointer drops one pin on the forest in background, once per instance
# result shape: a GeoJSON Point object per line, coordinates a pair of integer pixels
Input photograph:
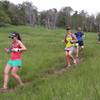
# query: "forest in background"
{"type": "Point", "coordinates": [28, 14]}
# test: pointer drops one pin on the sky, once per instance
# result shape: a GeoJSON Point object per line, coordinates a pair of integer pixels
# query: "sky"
{"type": "Point", "coordinates": [91, 6]}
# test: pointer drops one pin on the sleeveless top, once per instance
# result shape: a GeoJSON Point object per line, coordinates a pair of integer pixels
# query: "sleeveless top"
{"type": "Point", "coordinates": [69, 38]}
{"type": "Point", "coordinates": [16, 55]}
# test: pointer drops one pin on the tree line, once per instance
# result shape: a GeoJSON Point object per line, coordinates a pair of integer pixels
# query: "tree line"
{"type": "Point", "coordinates": [28, 14]}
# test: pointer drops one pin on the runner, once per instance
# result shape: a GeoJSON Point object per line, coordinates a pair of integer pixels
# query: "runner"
{"type": "Point", "coordinates": [80, 44]}
{"type": "Point", "coordinates": [15, 62]}
{"type": "Point", "coordinates": [69, 40]}
{"type": "Point", "coordinates": [98, 37]}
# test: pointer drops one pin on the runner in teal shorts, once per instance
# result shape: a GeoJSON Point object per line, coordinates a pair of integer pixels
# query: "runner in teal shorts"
{"type": "Point", "coordinates": [15, 61]}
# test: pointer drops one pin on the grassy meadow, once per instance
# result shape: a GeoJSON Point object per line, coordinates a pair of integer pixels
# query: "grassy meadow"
{"type": "Point", "coordinates": [44, 55]}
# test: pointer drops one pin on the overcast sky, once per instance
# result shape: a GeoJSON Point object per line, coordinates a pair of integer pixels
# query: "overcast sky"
{"type": "Point", "coordinates": [91, 6]}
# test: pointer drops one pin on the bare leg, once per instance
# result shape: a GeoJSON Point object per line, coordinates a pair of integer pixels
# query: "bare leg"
{"type": "Point", "coordinates": [71, 56]}
{"type": "Point", "coordinates": [15, 75]}
{"type": "Point", "coordinates": [6, 76]}
{"type": "Point", "coordinates": [76, 51]}
{"type": "Point", "coordinates": [67, 58]}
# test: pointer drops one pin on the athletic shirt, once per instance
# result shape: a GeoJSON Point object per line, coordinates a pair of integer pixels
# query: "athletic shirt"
{"type": "Point", "coordinates": [16, 55]}
{"type": "Point", "coordinates": [69, 38]}
{"type": "Point", "coordinates": [79, 36]}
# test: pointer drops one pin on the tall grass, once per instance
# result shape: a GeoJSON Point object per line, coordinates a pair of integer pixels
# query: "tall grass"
{"type": "Point", "coordinates": [46, 52]}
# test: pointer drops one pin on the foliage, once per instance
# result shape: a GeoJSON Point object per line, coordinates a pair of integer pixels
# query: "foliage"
{"type": "Point", "coordinates": [28, 14]}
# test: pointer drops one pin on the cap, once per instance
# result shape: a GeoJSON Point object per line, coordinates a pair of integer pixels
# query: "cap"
{"type": "Point", "coordinates": [13, 34]}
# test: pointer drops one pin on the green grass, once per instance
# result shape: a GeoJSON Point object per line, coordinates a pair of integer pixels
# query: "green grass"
{"type": "Point", "coordinates": [46, 52]}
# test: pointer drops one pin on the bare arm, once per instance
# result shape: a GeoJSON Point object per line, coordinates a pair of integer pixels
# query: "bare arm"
{"type": "Point", "coordinates": [65, 39]}
{"type": "Point", "coordinates": [74, 39]}
{"type": "Point", "coordinates": [23, 48]}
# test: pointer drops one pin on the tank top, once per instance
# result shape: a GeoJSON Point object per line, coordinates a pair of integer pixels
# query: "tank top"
{"type": "Point", "coordinates": [16, 55]}
{"type": "Point", "coordinates": [69, 37]}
